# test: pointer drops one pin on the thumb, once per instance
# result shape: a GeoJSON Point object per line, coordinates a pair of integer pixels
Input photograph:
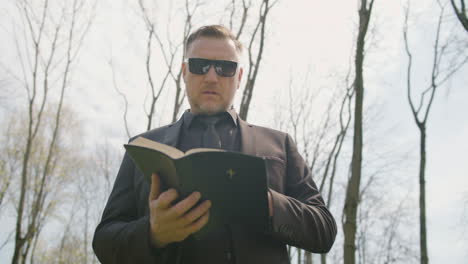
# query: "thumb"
{"type": "Point", "coordinates": [155, 187]}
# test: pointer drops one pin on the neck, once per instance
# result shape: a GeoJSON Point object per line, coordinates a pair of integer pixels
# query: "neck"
{"type": "Point", "coordinates": [208, 113]}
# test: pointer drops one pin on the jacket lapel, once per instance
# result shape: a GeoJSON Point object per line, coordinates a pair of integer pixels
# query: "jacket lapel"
{"type": "Point", "coordinates": [248, 143]}
{"type": "Point", "coordinates": [172, 133]}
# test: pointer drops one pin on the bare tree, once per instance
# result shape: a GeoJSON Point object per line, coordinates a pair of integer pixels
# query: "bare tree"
{"type": "Point", "coordinates": [81, 209]}
{"type": "Point", "coordinates": [444, 66]}
{"type": "Point", "coordinates": [169, 57]}
{"type": "Point", "coordinates": [232, 15]}
{"type": "Point", "coordinates": [170, 50]}
{"type": "Point", "coordinates": [55, 43]}
{"type": "Point", "coordinates": [94, 184]}
{"type": "Point", "coordinates": [393, 247]}
{"type": "Point", "coordinates": [42, 196]}
{"type": "Point", "coordinates": [333, 155]}
{"type": "Point", "coordinates": [5, 181]}
{"type": "Point", "coordinates": [461, 13]}
{"type": "Point", "coordinates": [190, 10]}
{"type": "Point", "coordinates": [297, 121]}
{"type": "Point", "coordinates": [255, 57]}
{"type": "Point", "coordinates": [9, 159]}
{"type": "Point", "coordinates": [3, 85]}
{"type": "Point", "coordinates": [384, 215]}
{"type": "Point", "coordinates": [121, 94]}
{"type": "Point", "coordinates": [64, 256]}
{"type": "Point", "coordinates": [319, 133]}
{"type": "Point", "coordinates": [104, 164]}
{"type": "Point", "coordinates": [63, 251]}
{"type": "Point", "coordinates": [353, 187]}
{"type": "Point", "coordinates": [9, 163]}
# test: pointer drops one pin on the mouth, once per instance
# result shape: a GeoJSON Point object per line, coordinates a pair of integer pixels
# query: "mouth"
{"type": "Point", "coordinates": [210, 93]}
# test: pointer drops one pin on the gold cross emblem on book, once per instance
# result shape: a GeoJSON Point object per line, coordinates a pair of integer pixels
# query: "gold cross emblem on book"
{"type": "Point", "coordinates": [230, 173]}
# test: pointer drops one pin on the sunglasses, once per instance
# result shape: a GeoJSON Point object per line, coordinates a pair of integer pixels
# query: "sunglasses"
{"type": "Point", "coordinates": [223, 68]}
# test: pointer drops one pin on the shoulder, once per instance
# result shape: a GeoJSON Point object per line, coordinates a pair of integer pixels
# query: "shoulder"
{"type": "Point", "coordinates": [155, 133]}
{"type": "Point", "coordinates": [268, 133]}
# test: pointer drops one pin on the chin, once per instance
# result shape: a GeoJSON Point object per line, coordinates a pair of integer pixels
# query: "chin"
{"type": "Point", "coordinates": [211, 109]}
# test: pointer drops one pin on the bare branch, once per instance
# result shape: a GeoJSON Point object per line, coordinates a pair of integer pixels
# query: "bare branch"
{"type": "Point", "coordinates": [7, 240]}
{"type": "Point", "coordinates": [245, 10]}
{"type": "Point", "coordinates": [231, 15]}
{"type": "Point", "coordinates": [180, 93]}
{"type": "Point", "coordinates": [409, 67]}
{"type": "Point", "coordinates": [254, 66]}
{"type": "Point", "coordinates": [435, 66]}
{"type": "Point", "coordinates": [461, 13]}
{"type": "Point", "coordinates": [116, 88]}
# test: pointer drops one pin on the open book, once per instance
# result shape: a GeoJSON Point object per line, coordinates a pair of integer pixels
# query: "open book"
{"type": "Point", "coordinates": [235, 183]}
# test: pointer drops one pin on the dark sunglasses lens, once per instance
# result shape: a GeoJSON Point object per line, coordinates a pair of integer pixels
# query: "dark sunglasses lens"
{"type": "Point", "coordinates": [226, 68]}
{"type": "Point", "coordinates": [222, 68]}
{"type": "Point", "coordinates": [199, 66]}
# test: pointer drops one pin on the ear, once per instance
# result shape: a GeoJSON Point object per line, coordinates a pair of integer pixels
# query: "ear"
{"type": "Point", "coordinates": [241, 71]}
{"type": "Point", "coordinates": [184, 70]}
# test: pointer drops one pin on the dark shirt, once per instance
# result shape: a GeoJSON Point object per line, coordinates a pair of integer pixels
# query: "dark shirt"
{"type": "Point", "coordinates": [193, 128]}
{"type": "Point", "coordinates": [218, 245]}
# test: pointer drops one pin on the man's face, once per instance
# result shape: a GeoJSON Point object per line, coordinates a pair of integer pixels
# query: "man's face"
{"type": "Point", "coordinates": [210, 93]}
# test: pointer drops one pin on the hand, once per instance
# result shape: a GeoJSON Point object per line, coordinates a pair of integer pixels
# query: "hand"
{"type": "Point", "coordinates": [174, 223]}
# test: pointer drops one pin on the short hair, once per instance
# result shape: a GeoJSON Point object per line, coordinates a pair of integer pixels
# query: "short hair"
{"type": "Point", "coordinates": [213, 31]}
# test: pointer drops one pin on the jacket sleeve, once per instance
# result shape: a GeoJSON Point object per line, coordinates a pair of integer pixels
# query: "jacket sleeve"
{"type": "Point", "coordinates": [300, 217]}
{"type": "Point", "coordinates": [122, 236]}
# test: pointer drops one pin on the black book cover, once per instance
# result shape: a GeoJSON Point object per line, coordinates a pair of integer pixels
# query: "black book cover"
{"type": "Point", "coordinates": [235, 183]}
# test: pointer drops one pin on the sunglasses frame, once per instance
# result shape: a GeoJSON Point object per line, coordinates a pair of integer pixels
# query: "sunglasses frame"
{"type": "Point", "coordinates": [217, 64]}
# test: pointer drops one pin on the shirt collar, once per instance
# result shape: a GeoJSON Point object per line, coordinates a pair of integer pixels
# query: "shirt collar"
{"type": "Point", "coordinates": [188, 116]}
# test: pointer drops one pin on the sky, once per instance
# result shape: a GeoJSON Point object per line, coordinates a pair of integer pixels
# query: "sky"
{"type": "Point", "coordinates": [307, 38]}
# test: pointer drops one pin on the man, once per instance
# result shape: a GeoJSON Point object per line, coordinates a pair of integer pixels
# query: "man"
{"type": "Point", "coordinates": [145, 224]}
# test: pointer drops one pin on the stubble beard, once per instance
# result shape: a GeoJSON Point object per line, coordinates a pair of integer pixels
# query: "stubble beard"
{"type": "Point", "coordinates": [210, 108]}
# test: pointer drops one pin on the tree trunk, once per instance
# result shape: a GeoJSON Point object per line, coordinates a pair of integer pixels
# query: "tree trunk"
{"type": "Point", "coordinates": [422, 196]}
{"type": "Point", "coordinates": [19, 241]}
{"type": "Point", "coordinates": [352, 192]}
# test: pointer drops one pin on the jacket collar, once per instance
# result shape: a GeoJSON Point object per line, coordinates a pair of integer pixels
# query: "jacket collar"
{"type": "Point", "coordinates": [247, 133]}
{"type": "Point", "coordinates": [189, 117]}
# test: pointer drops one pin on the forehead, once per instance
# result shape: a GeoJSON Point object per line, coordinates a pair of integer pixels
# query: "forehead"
{"type": "Point", "coordinates": [213, 48]}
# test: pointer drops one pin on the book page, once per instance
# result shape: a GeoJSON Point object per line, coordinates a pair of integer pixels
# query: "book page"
{"type": "Point", "coordinates": [196, 150]}
{"type": "Point", "coordinates": [166, 149]}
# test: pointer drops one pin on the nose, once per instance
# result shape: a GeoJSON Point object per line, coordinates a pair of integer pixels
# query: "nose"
{"type": "Point", "coordinates": [211, 75]}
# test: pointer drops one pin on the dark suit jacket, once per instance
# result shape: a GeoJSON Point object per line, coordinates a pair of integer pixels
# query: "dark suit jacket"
{"type": "Point", "coordinates": [300, 216]}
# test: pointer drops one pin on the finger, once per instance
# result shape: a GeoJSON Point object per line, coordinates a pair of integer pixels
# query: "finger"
{"type": "Point", "coordinates": [197, 212]}
{"type": "Point", "coordinates": [155, 187]}
{"type": "Point", "coordinates": [197, 225]}
{"type": "Point", "coordinates": [166, 198]}
{"type": "Point", "coordinates": [183, 206]}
